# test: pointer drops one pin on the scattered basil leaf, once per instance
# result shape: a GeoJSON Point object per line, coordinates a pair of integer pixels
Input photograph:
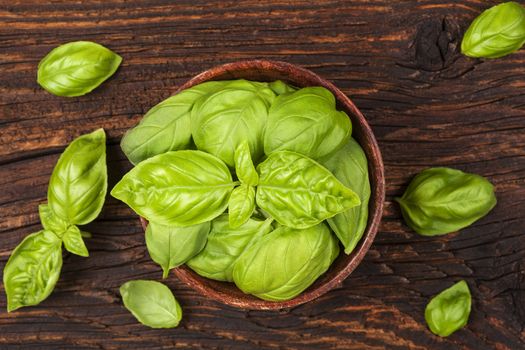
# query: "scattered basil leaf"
{"type": "Point", "coordinates": [171, 246]}
{"type": "Point", "coordinates": [280, 87]}
{"type": "Point", "coordinates": [166, 126]}
{"type": "Point", "coordinates": [73, 241]}
{"type": "Point", "coordinates": [444, 200]}
{"type": "Point", "coordinates": [350, 166]}
{"type": "Point", "coordinates": [225, 245]}
{"type": "Point", "coordinates": [306, 122]}
{"type": "Point", "coordinates": [244, 165]}
{"type": "Point", "coordinates": [299, 192]}
{"type": "Point", "coordinates": [152, 303]}
{"type": "Point", "coordinates": [51, 222]}
{"type": "Point", "coordinates": [497, 32]}
{"type": "Point", "coordinates": [78, 184]}
{"type": "Point", "coordinates": [76, 68]}
{"type": "Point", "coordinates": [32, 270]}
{"type": "Point", "coordinates": [241, 205]}
{"type": "Point", "coordinates": [449, 310]}
{"type": "Point", "coordinates": [178, 188]}
{"type": "Point", "coordinates": [283, 263]}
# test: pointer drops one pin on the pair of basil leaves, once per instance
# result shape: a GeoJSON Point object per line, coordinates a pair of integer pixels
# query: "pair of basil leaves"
{"type": "Point", "coordinates": [76, 193]}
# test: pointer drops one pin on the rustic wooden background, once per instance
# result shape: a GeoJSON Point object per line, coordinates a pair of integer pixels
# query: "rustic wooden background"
{"type": "Point", "coordinates": [400, 63]}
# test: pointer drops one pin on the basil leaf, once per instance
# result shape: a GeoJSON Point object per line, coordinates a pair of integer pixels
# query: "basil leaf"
{"type": "Point", "coordinates": [298, 192]}
{"type": "Point", "coordinates": [32, 270]}
{"type": "Point", "coordinates": [171, 246]}
{"type": "Point", "coordinates": [225, 245]}
{"type": "Point", "coordinates": [51, 222]}
{"type": "Point", "coordinates": [444, 200]}
{"type": "Point", "coordinates": [78, 185]}
{"type": "Point", "coordinates": [76, 68]}
{"type": "Point", "coordinates": [244, 165]}
{"type": "Point", "coordinates": [497, 32]}
{"type": "Point", "coordinates": [449, 310]}
{"type": "Point", "coordinates": [349, 165]}
{"type": "Point", "coordinates": [73, 241]}
{"type": "Point", "coordinates": [178, 188]}
{"type": "Point", "coordinates": [166, 127]}
{"type": "Point", "coordinates": [306, 122]}
{"type": "Point", "coordinates": [241, 205]}
{"type": "Point", "coordinates": [280, 87]}
{"type": "Point", "coordinates": [152, 303]}
{"type": "Point", "coordinates": [283, 263]}
{"type": "Point", "coordinates": [221, 121]}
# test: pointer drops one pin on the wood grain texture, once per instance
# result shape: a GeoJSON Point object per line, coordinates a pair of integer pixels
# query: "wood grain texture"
{"type": "Point", "coordinates": [398, 60]}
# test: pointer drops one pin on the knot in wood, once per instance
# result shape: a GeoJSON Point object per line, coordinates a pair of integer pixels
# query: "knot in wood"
{"type": "Point", "coordinates": [436, 43]}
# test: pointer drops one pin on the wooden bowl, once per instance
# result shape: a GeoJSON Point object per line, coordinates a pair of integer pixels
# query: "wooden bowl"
{"type": "Point", "coordinates": [262, 70]}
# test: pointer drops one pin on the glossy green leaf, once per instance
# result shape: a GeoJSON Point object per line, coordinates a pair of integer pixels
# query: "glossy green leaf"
{"type": "Point", "coordinates": [241, 205]}
{"type": "Point", "coordinates": [152, 303]}
{"type": "Point", "coordinates": [52, 222]}
{"type": "Point", "coordinates": [179, 188]}
{"type": "Point", "coordinates": [32, 270]}
{"type": "Point", "coordinates": [497, 32]}
{"type": "Point", "coordinates": [225, 245]}
{"type": "Point", "coordinates": [76, 68]}
{"type": "Point", "coordinates": [444, 200]}
{"type": "Point", "coordinates": [306, 122]}
{"type": "Point", "coordinates": [166, 127]}
{"type": "Point", "coordinates": [171, 246]}
{"type": "Point", "coordinates": [221, 121]}
{"type": "Point", "coordinates": [244, 165]}
{"type": "Point", "coordinates": [299, 192]}
{"type": "Point", "coordinates": [449, 310]}
{"type": "Point", "coordinates": [73, 241]}
{"type": "Point", "coordinates": [283, 263]}
{"type": "Point", "coordinates": [280, 87]}
{"type": "Point", "coordinates": [350, 166]}
{"type": "Point", "coordinates": [77, 188]}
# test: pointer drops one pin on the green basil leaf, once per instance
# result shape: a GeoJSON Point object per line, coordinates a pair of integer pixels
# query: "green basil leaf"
{"type": "Point", "coordinates": [166, 127]}
{"type": "Point", "coordinates": [449, 310]}
{"type": "Point", "coordinates": [298, 192]}
{"type": "Point", "coordinates": [51, 222]}
{"type": "Point", "coordinates": [306, 122]}
{"type": "Point", "coordinates": [283, 263]}
{"type": "Point", "coordinates": [444, 200]}
{"type": "Point", "coordinates": [152, 303]}
{"type": "Point", "coordinates": [78, 185]}
{"type": "Point", "coordinates": [178, 188]}
{"type": "Point", "coordinates": [350, 166]}
{"type": "Point", "coordinates": [280, 87]}
{"type": "Point", "coordinates": [244, 165]}
{"type": "Point", "coordinates": [241, 205]}
{"type": "Point", "coordinates": [76, 68]}
{"type": "Point", "coordinates": [32, 270]}
{"type": "Point", "coordinates": [221, 121]}
{"type": "Point", "coordinates": [225, 245]}
{"type": "Point", "coordinates": [73, 241]}
{"type": "Point", "coordinates": [171, 246]}
{"type": "Point", "coordinates": [497, 32]}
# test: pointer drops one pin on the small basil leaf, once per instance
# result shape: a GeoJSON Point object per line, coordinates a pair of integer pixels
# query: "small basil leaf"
{"type": "Point", "coordinates": [244, 165]}
{"type": "Point", "coordinates": [32, 270]}
{"type": "Point", "coordinates": [73, 241]}
{"type": "Point", "coordinates": [166, 127]}
{"type": "Point", "coordinates": [444, 200]}
{"type": "Point", "coordinates": [152, 303]}
{"type": "Point", "coordinates": [241, 205]}
{"type": "Point", "coordinates": [306, 122]}
{"type": "Point", "coordinates": [178, 188]}
{"type": "Point", "coordinates": [349, 165]}
{"type": "Point", "coordinates": [283, 263]}
{"type": "Point", "coordinates": [171, 246]}
{"type": "Point", "coordinates": [279, 87]}
{"type": "Point", "coordinates": [449, 310]}
{"type": "Point", "coordinates": [225, 245]}
{"type": "Point", "coordinates": [51, 222]}
{"type": "Point", "coordinates": [497, 32]}
{"type": "Point", "coordinates": [76, 68]}
{"type": "Point", "coordinates": [77, 187]}
{"type": "Point", "coordinates": [298, 192]}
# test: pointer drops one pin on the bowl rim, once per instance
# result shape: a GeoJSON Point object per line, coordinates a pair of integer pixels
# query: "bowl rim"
{"type": "Point", "coordinates": [375, 162]}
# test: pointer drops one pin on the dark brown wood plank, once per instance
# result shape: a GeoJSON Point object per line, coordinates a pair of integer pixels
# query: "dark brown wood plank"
{"type": "Point", "coordinates": [400, 63]}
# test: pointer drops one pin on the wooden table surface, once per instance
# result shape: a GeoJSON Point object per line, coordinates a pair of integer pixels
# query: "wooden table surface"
{"type": "Point", "coordinates": [400, 63]}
